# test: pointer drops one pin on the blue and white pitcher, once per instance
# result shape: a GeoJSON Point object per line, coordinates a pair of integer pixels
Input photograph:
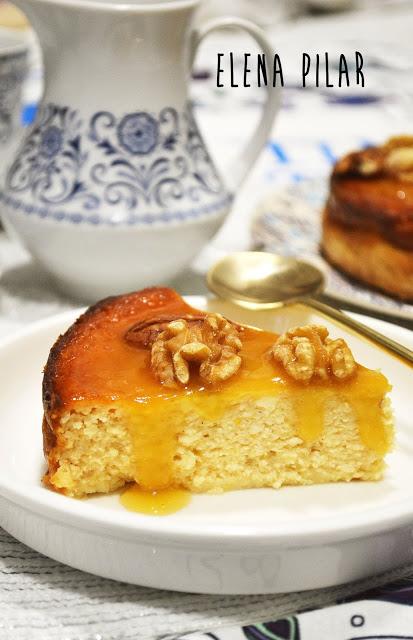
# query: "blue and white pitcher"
{"type": "Point", "coordinates": [113, 188]}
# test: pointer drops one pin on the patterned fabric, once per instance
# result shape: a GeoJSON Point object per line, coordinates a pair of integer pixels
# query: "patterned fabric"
{"type": "Point", "coordinates": [361, 620]}
{"type": "Point", "coordinates": [284, 629]}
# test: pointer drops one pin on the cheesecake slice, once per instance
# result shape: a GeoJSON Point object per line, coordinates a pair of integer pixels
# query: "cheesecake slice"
{"type": "Point", "coordinates": [143, 388]}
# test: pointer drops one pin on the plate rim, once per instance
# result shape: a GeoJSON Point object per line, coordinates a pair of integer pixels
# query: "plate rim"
{"type": "Point", "coordinates": [127, 526]}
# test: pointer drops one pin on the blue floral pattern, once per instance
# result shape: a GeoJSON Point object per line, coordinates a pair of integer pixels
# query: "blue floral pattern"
{"type": "Point", "coordinates": [51, 142]}
{"type": "Point", "coordinates": [138, 133]}
{"type": "Point", "coordinates": [118, 167]}
{"type": "Point", "coordinates": [49, 167]}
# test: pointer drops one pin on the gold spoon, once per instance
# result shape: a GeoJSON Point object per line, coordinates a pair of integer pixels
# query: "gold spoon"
{"type": "Point", "coordinates": [260, 280]}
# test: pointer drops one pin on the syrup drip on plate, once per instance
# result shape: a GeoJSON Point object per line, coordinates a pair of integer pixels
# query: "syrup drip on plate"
{"type": "Point", "coordinates": [154, 503]}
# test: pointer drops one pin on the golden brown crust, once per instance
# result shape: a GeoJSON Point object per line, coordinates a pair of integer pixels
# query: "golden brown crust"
{"type": "Point", "coordinates": [136, 306]}
{"type": "Point", "coordinates": [367, 256]}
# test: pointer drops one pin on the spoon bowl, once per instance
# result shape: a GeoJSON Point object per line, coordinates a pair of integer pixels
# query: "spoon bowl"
{"type": "Point", "coordinates": [260, 280]}
{"type": "Point", "coordinates": [264, 280]}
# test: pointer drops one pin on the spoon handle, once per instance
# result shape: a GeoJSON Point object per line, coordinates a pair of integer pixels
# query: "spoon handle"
{"type": "Point", "coordinates": [359, 328]}
{"type": "Point", "coordinates": [374, 312]}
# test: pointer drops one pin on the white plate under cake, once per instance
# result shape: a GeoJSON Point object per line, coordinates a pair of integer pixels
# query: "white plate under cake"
{"type": "Point", "coordinates": [261, 540]}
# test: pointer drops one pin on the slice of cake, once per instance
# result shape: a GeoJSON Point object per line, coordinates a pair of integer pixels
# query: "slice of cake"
{"type": "Point", "coordinates": [145, 388]}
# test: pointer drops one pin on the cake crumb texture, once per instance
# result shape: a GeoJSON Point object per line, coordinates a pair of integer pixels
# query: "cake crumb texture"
{"type": "Point", "coordinates": [254, 443]}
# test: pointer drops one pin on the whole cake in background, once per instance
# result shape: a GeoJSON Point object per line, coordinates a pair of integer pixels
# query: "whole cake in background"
{"type": "Point", "coordinates": [368, 218]}
{"type": "Point", "coordinates": [145, 388]}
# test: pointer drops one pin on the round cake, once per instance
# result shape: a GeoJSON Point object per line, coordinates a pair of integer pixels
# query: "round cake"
{"type": "Point", "coordinates": [368, 218]}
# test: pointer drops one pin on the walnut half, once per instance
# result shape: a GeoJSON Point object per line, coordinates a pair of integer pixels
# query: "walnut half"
{"type": "Point", "coordinates": [212, 343]}
{"type": "Point", "coordinates": [307, 352]}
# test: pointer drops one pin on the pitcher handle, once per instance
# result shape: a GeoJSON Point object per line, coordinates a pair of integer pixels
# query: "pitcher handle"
{"type": "Point", "coordinates": [243, 164]}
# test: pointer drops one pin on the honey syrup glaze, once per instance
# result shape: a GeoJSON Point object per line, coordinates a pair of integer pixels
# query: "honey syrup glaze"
{"type": "Point", "coordinates": [111, 370]}
{"type": "Point", "coordinates": [154, 503]}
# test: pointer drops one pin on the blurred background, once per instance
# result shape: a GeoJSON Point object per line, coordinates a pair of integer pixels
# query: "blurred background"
{"type": "Point", "coordinates": [315, 125]}
{"type": "Point", "coordinates": [313, 128]}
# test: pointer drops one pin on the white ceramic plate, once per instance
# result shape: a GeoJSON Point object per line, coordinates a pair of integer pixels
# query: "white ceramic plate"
{"type": "Point", "coordinates": [256, 541]}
